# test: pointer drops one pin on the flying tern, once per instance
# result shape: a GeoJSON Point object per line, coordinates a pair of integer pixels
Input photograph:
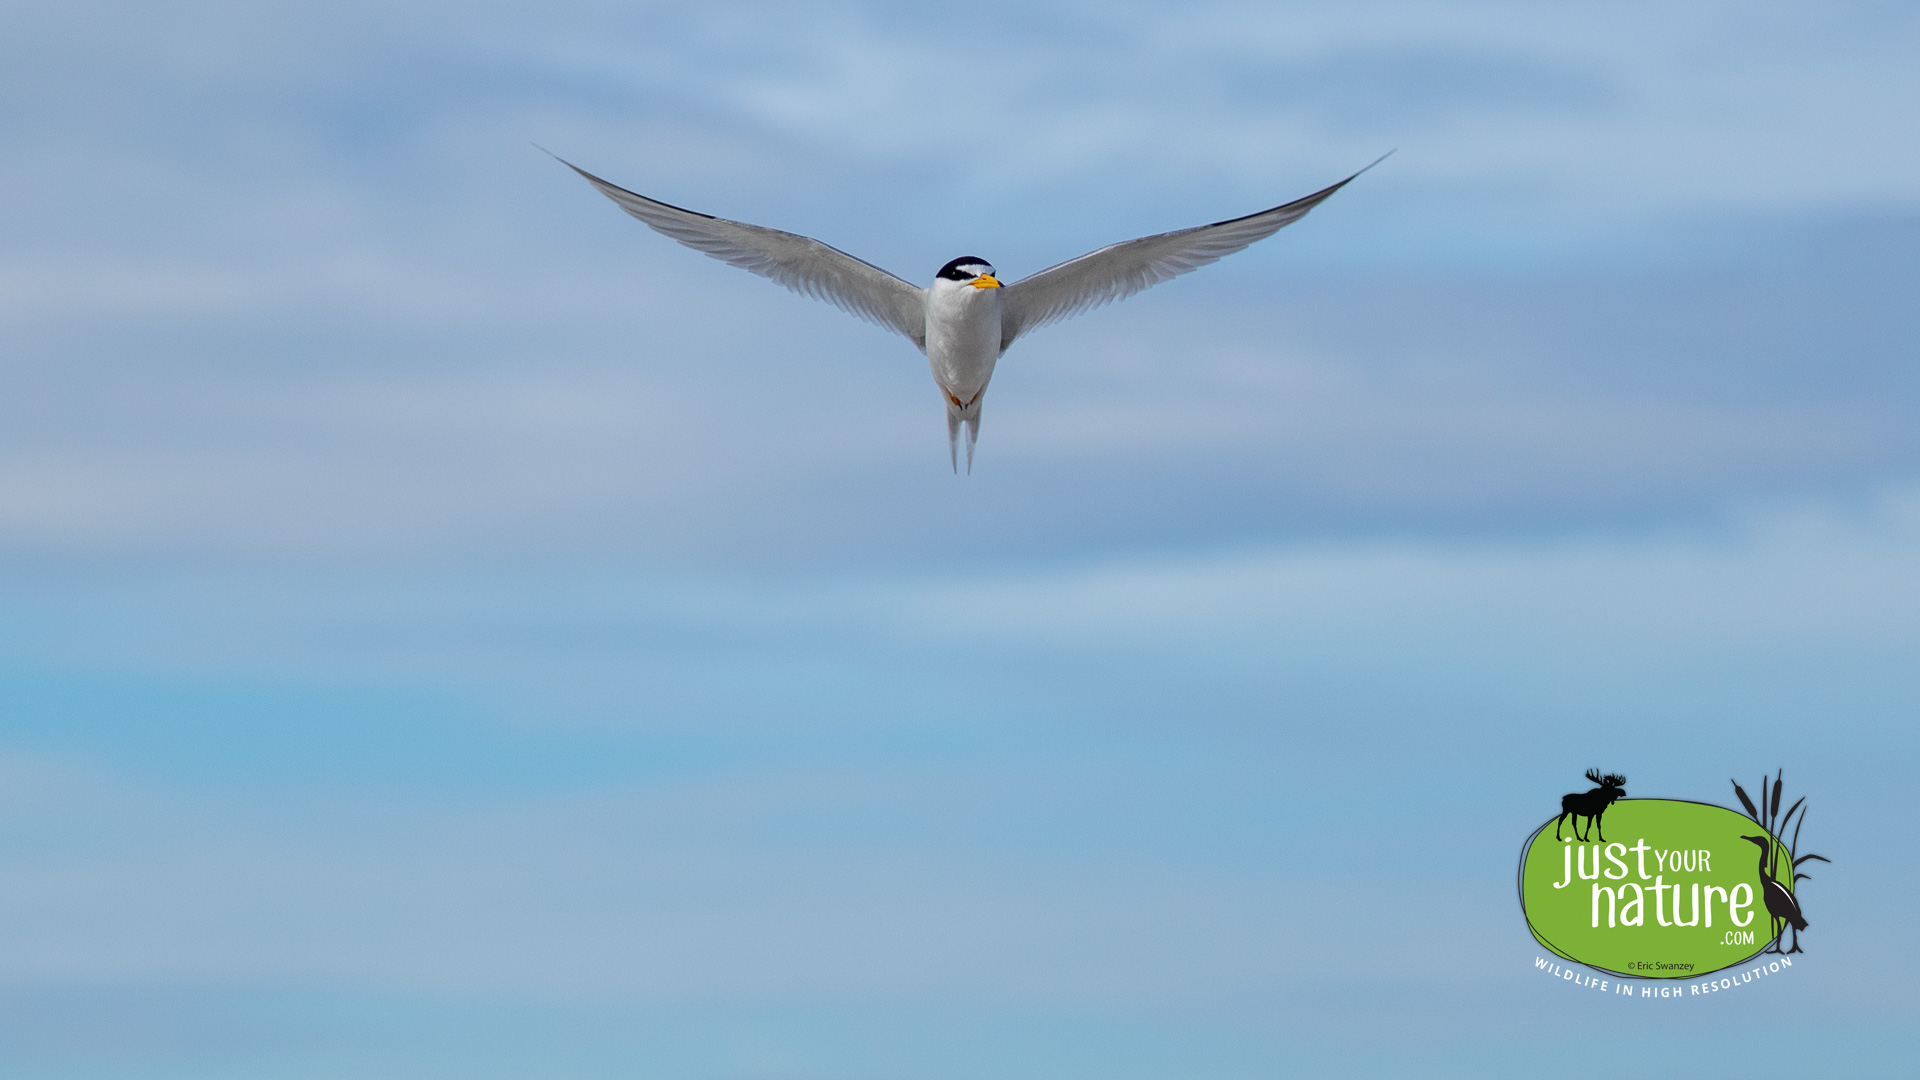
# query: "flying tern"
{"type": "Point", "coordinates": [965, 321]}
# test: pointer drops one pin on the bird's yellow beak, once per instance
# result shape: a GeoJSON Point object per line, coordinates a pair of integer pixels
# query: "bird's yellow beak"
{"type": "Point", "coordinates": [986, 281]}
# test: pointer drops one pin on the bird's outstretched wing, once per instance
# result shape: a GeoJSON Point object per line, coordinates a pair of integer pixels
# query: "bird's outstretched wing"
{"type": "Point", "coordinates": [801, 263]}
{"type": "Point", "coordinates": [1117, 271]}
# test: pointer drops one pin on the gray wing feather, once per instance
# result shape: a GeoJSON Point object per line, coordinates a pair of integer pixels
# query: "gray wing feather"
{"type": "Point", "coordinates": [1117, 271]}
{"type": "Point", "coordinates": [801, 263]}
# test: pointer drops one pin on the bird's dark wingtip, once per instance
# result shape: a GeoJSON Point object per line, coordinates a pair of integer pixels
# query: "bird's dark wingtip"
{"type": "Point", "coordinates": [568, 164]}
{"type": "Point", "coordinates": [608, 187]}
{"type": "Point", "coordinates": [1318, 197]}
{"type": "Point", "coordinates": [1369, 165]}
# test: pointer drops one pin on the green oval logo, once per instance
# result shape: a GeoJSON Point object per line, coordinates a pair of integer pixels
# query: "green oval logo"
{"type": "Point", "coordinates": [1677, 889]}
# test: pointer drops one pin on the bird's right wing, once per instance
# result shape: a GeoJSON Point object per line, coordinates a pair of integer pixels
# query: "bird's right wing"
{"type": "Point", "coordinates": [801, 263]}
{"type": "Point", "coordinates": [1117, 271]}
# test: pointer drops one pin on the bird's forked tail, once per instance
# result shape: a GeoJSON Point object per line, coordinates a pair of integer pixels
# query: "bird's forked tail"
{"type": "Point", "coordinates": [968, 414]}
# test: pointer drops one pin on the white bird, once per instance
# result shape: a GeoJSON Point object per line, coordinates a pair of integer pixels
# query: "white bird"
{"type": "Point", "coordinates": [965, 322]}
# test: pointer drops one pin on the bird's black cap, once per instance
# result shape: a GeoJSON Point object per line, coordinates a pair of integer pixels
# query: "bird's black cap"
{"type": "Point", "coordinates": [952, 271]}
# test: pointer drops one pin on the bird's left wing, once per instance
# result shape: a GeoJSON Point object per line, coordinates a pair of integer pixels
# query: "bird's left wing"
{"type": "Point", "coordinates": [1117, 271]}
{"type": "Point", "coordinates": [801, 263]}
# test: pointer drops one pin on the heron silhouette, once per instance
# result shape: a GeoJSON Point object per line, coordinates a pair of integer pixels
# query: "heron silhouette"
{"type": "Point", "coordinates": [1779, 900]}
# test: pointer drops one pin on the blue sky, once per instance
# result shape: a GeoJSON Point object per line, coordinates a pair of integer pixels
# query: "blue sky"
{"type": "Point", "coordinates": [449, 630]}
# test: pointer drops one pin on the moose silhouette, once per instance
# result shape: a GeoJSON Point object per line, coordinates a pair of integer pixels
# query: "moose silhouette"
{"type": "Point", "coordinates": [1590, 804]}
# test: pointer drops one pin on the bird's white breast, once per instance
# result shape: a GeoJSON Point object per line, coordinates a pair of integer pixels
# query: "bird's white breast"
{"type": "Point", "coordinates": [963, 336]}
